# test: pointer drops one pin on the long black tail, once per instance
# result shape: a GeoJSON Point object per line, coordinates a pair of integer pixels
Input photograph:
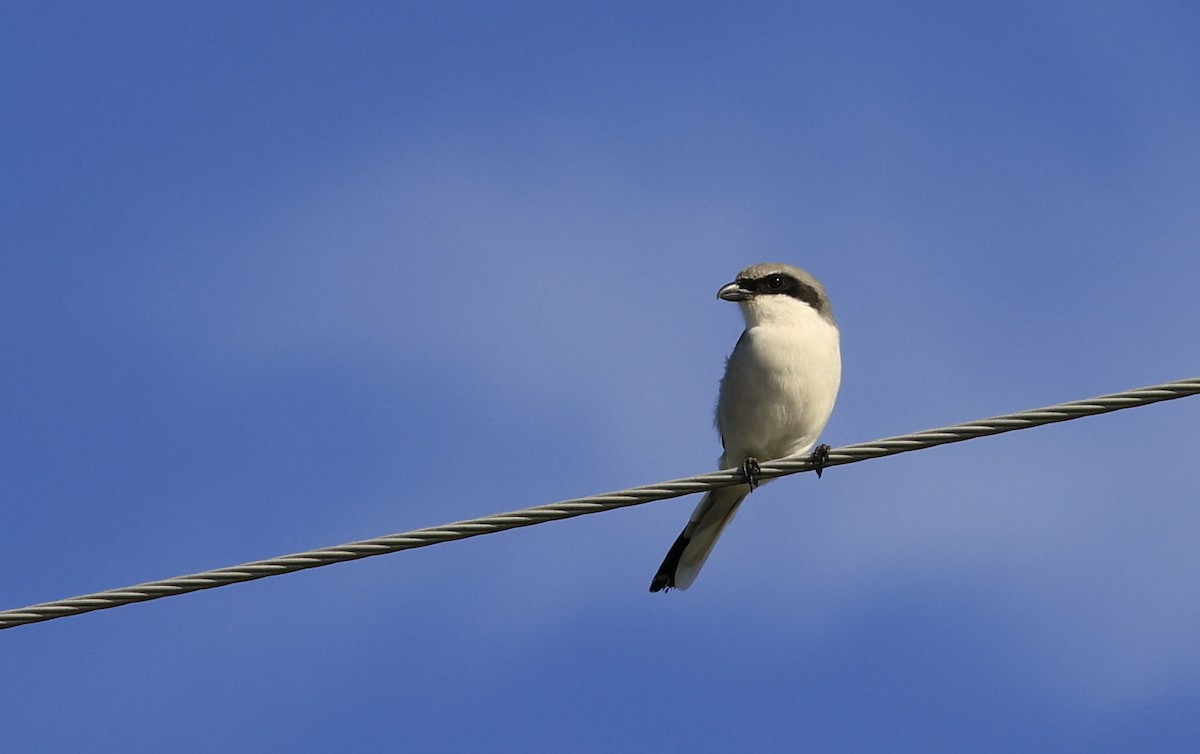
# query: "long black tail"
{"type": "Point", "coordinates": [686, 557]}
{"type": "Point", "coordinates": [665, 578]}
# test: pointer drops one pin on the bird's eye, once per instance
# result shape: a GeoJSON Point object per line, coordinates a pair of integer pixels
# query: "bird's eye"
{"type": "Point", "coordinates": [775, 283]}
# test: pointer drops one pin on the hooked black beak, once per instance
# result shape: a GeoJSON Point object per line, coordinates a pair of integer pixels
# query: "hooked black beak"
{"type": "Point", "coordinates": [733, 292]}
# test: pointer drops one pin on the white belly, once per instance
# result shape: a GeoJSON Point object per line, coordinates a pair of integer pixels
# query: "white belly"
{"type": "Point", "coordinates": [779, 388]}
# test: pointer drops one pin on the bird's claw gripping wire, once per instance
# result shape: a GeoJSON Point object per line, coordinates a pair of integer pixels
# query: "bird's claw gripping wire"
{"type": "Point", "coordinates": [751, 470]}
{"type": "Point", "coordinates": [820, 457]}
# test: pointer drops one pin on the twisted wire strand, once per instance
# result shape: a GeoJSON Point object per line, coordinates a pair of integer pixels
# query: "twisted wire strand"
{"type": "Point", "coordinates": [259, 569]}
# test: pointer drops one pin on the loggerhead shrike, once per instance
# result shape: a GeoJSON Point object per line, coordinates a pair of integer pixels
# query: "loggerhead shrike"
{"type": "Point", "coordinates": [778, 391]}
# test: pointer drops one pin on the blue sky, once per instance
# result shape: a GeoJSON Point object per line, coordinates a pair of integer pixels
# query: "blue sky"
{"type": "Point", "coordinates": [281, 276]}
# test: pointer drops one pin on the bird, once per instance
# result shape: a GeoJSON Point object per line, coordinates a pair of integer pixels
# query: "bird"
{"type": "Point", "coordinates": [777, 394]}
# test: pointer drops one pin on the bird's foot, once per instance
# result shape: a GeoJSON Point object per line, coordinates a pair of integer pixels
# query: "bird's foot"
{"type": "Point", "coordinates": [820, 456]}
{"type": "Point", "coordinates": [751, 470]}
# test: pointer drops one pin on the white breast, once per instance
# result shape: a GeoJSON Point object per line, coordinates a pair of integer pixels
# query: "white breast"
{"type": "Point", "coordinates": [780, 382]}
